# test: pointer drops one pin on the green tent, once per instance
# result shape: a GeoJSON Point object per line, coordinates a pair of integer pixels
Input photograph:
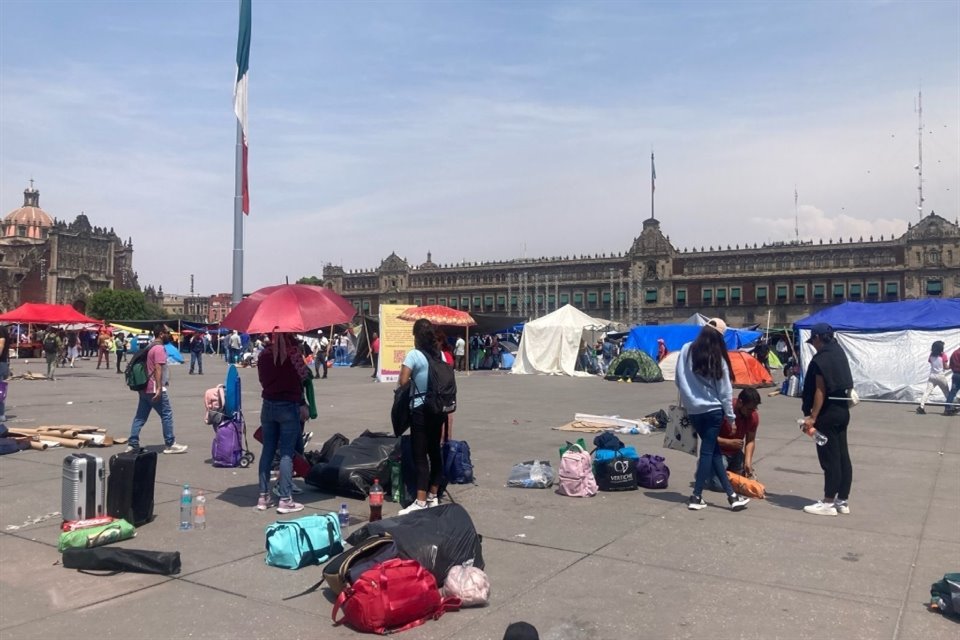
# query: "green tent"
{"type": "Point", "coordinates": [634, 365]}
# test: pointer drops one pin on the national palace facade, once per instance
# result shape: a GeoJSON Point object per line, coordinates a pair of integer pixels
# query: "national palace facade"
{"type": "Point", "coordinates": [656, 283]}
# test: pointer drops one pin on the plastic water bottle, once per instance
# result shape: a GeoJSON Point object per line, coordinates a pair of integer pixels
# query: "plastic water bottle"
{"type": "Point", "coordinates": [200, 511]}
{"type": "Point", "coordinates": [376, 501]}
{"type": "Point", "coordinates": [186, 508]}
{"type": "Point", "coordinates": [344, 517]}
{"type": "Point", "coordinates": [818, 437]}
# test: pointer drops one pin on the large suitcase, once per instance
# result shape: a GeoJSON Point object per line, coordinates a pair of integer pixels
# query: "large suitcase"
{"type": "Point", "coordinates": [131, 484]}
{"type": "Point", "coordinates": [82, 493]}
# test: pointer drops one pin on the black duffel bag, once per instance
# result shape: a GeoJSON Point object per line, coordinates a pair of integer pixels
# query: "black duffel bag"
{"type": "Point", "coordinates": [164, 563]}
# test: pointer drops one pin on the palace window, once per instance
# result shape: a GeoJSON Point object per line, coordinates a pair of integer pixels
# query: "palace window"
{"type": "Point", "coordinates": [708, 296]}
{"type": "Point", "coordinates": [893, 289]}
{"type": "Point", "coordinates": [856, 290]}
{"type": "Point", "coordinates": [477, 303]}
{"type": "Point", "coordinates": [578, 299]}
{"type": "Point", "coordinates": [761, 294]}
{"type": "Point", "coordinates": [442, 301]}
{"type": "Point", "coordinates": [501, 301]}
{"type": "Point", "coordinates": [564, 298]}
{"type": "Point", "coordinates": [606, 297]}
{"type": "Point", "coordinates": [552, 300]}
{"type": "Point", "coordinates": [465, 303]}
{"type": "Point", "coordinates": [934, 287]}
{"type": "Point", "coordinates": [838, 291]}
{"type": "Point", "coordinates": [431, 301]}
{"type": "Point", "coordinates": [873, 289]}
{"type": "Point", "coordinates": [819, 291]}
{"type": "Point", "coordinates": [650, 295]}
{"type": "Point", "coordinates": [781, 292]}
{"type": "Point", "coordinates": [735, 295]}
{"type": "Point", "coordinates": [488, 301]}
{"type": "Point", "coordinates": [453, 303]}
{"type": "Point", "coordinates": [592, 297]}
{"type": "Point", "coordinates": [800, 291]}
{"type": "Point", "coordinates": [681, 297]}
{"type": "Point", "coordinates": [721, 296]}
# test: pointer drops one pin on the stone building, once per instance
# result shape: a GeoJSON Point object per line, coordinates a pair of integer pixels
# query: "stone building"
{"type": "Point", "coordinates": [654, 282]}
{"type": "Point", "coordinates": [52, 261]}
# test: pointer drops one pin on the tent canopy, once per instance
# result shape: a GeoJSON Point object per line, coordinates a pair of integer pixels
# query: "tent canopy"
{"type": "Point", "coordinates": [635, 366]}
{"type": "Point", "coordinates": [31, 313]}
{"type": "Point", "coordinates": [644, 337]}
{"type": "Point", "coordinates": [928, 314]}
{"type": "Point", "coordinates": [747, 371]}
{"type": "Point", "coordinates": [888, 343]}
{"type": "Point", "coordinates": [550, 344]}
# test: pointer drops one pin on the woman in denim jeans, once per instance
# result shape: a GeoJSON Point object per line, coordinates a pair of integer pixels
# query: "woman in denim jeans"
{"type": "Point", "coordinates": [281, 371]}
{"type": "Point", "coordinates": [706, 392]}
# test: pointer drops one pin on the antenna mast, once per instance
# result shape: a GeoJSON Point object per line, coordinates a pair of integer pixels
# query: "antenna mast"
{"type": "Point", "coordinates": [920, 154]}
{"type": "Point", "coordinates": [796, 215]}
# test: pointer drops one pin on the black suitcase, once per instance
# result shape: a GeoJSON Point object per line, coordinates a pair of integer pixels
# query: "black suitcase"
{"type": "Point", "coordinates": [81, 495]}
{"type": "Point", "coordinates": [130, 486]}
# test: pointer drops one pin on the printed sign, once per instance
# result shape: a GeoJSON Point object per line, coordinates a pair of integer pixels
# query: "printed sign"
{"type": "Point", "coordinates": [396, 338]}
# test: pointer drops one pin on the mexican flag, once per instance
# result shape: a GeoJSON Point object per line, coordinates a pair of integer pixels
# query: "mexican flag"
{"type": "Point", "coordinates": [240, 91]}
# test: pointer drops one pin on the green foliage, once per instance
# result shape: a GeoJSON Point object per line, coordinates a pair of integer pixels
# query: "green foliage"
{"type": "Point", "coordinates": [114, 304]}
{"type": "Point", "coordinates": [314, 280]}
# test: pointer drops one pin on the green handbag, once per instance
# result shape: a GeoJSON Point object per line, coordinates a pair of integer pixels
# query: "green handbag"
{"type": "Point", "coordinates": [96, 536]}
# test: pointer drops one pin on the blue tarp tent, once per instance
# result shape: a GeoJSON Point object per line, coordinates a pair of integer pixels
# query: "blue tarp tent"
{"type": "Point", "coordinates": [173, 354]}
{"type": "Point", "coordinates": [888, 343]}
{"type": "Point", "coordinates": [645, 337]}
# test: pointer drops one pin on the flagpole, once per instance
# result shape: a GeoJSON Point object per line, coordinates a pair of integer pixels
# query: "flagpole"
{"type": "Point", "coordinates": [653, 184]}
{"type": "Point", "coordinates": [237, 295]}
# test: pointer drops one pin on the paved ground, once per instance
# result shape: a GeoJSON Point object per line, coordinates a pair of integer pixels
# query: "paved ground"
{"type": "Point", "coordinates": [614, 566]}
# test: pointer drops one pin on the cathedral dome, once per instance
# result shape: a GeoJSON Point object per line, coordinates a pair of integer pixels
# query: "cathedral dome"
{"type": "Point", "coordinates": [29, 221]}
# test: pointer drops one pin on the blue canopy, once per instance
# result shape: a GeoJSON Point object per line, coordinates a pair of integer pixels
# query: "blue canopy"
{"type": "Point", "coordinates": [675, 336]}
{"type": "Point", "coordinates": [929, 314]}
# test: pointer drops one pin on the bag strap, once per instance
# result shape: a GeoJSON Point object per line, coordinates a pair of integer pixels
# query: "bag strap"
{"type": "Point", "coordinates": [338, 606]}
{"type": "Point", "coordinates": [308, 590]}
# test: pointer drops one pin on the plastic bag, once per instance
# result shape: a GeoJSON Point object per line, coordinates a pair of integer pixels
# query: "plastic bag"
{"type": "Point", "coordinates": [533, 474]}
{"type": "Point", "coordinates": [468, 583]}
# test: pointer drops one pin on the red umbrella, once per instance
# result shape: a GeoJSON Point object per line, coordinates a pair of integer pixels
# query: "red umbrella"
{"type": "Point", "coordinates": [293, 308]}
{"type": "Point", "coordinates": [439, 314]}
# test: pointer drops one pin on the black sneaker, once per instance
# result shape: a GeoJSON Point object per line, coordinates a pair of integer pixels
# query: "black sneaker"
{"type": "Point", "coordinates": [737, 502]}
{"type": "Point", "coordinates": [695, 503]}
{"type": "Point", "coordinates": [920, 411]}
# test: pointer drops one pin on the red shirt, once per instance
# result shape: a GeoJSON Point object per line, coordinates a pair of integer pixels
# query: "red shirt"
{"type": "Point", "coordinates": [741, 427]}
{"type": "Point", "coordinates": [281, 382]}
{"type": "Point", "coordinates": [955, 361]}
{"type": "Point", "coordinates": [375, 345]}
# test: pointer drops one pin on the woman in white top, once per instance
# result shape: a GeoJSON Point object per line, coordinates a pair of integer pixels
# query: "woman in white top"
{"type": "Point", "coordinates": [938, 374]}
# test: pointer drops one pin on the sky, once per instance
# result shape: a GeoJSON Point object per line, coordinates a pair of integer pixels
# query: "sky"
{"type": "Point", "coordinates": [475, 130]}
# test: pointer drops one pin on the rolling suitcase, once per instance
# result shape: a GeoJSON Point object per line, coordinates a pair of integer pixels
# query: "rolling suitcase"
{"type": "Point", "coordinates": [82, 493]}
{"type": "Point", "coordinates": [131, 484]}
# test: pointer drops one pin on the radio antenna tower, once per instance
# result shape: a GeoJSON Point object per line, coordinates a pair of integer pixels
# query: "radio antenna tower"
{"type": "Point", "coordinates": [796, 215]}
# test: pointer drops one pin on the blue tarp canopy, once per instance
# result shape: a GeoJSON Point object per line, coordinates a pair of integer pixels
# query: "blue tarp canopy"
{"type": "Point", "coordinates": [645, 337]}
{"type": "Point", "coordinates": [930, 314]}
{"type": "Point", "coordinates": [173, 354]}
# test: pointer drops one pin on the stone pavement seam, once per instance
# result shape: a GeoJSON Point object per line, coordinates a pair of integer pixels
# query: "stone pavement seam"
{"type": "Point", "coordinates": [919, 542]}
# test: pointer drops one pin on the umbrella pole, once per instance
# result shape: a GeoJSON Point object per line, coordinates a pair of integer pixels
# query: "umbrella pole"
{"type": "Point", "coordinates": [466, 350]}
{"type": "Point", "coordinates": [366, 334]}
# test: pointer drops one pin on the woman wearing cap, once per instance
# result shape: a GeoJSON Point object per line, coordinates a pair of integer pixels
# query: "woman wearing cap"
{"type": "Point", "coordinates": [828, 376]}
{"type": "Point", "coordinates": [706, 392]}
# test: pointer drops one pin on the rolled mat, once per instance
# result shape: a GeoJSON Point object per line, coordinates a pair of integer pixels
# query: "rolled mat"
{"type": "Point", "coordinates": [164, 563]}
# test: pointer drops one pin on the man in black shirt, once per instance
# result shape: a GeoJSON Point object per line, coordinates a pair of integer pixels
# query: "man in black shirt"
{"type": "Point", "coordinates": [828, 376]}
{"type": "Point", "coordinates": [4, 370]}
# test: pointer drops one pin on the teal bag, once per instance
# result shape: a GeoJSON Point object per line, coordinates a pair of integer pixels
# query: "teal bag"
{"type": "Point", "coordinates": [292, 544]}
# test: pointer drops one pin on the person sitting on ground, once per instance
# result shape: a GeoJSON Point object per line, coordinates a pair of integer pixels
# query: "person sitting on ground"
{"type": "Point", "coordinates": [937, 378]}
{"type": "Point", "coordinates": [737, 441]}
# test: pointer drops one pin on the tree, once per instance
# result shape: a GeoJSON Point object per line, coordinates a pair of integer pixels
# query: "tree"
{"type": "Point", "coordinates": [114, 304]}
{"type": "Point", "coordinates": [314, 280]}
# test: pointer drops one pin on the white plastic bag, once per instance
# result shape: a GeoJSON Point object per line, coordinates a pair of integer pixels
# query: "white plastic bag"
{"type": "Point", "coordinates": [468, 583]}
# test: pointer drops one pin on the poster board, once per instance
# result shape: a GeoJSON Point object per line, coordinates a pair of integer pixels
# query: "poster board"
{"type": "Point", "coordinates": [396, 339]}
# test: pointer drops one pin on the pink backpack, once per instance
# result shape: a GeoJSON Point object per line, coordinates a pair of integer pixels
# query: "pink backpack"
{"type": "Point", "coordinates": [576, 473]}
{"type": "Point", "coordinates": [213, 400]}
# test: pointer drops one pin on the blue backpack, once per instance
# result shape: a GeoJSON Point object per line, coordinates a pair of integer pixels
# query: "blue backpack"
{"type": "Point", "coordinates": [457, 467]}
{"type": "Point", "coordinates": [292, 544]}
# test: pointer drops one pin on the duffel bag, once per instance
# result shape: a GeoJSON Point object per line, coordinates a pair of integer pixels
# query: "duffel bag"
{"type": "Point", "coordinates": [292, 544]}
{"type": "Point", "coordinates": [652, 472]}
{"type": "Point", "coordinates": [393, 596]}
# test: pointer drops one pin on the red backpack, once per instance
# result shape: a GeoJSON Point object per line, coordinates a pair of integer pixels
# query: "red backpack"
{"type": "Point", "coordinates": [392, 596]}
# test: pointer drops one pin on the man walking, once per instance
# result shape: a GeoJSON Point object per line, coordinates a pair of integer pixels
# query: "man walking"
{"type": "Point", "coordinates": [155, 397]}
{"type": "Point", "coordinates": [51, 349]}
{"type": "Point", "coordinates": [459, 353]}
{"type": "Point", "coordinates": [828, 376]}
{"type": "Point", "coordinates": [234, 344]}
{"type": "Point", "coordinates": [120, 347]}
{"type": "Point", "coordinates": [196, 353]}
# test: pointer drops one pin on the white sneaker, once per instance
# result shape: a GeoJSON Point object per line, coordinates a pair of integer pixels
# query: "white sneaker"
{"type": "Point", "coordinates": [416, 505]}
{"type": "Point", "coordinates": [176, 448]}
{"type": "Point", "coordinates": [821, 509]}
{"type": "Point", "coordinates": [433, 502]}
{"type": "Point", "coordinates": [841, 506]}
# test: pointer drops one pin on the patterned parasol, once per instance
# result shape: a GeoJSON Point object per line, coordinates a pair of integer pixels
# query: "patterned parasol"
{"type": "Point", "coordinates": [439, 315]}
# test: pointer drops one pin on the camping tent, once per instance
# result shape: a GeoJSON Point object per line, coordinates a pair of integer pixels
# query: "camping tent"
{"type": "Point", "coordinates": [550, 344]}
{"type": "Point", "coordinates": [748, 372]}
{"type": "Point", "coordinates": [668, 366]}
{"type": "Point", "coordinates": [645, 337]}
{"type": "Point", "coordinates": [31, 313]}
{"type": "Point", "coordinates": [635, 366]}
{"type": "Point", "coordinates": [888, 343]}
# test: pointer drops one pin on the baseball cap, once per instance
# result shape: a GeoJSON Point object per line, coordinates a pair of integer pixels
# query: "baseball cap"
{"type": "Point", "coordinates": [521, 631]}
{"type": "Point", "coordinates": [820, 330]}
{"type": "Point", "coordinates": [718, 324]}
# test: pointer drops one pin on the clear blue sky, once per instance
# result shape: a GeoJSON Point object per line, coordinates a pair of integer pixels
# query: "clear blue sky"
{"type": "Point", "coordinates": [475, 130]}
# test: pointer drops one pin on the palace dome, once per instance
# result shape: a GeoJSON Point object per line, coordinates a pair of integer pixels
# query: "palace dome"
{"type": "Point", "coordinates": [29, 221]}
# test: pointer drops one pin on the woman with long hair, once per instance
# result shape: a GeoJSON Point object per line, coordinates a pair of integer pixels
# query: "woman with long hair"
{"type": "Point", "coordinates": [425, 428]}
{"type": "Point", "coordinates": [706, 392]}
{"type": "Point", "coordinates": [938, 376]}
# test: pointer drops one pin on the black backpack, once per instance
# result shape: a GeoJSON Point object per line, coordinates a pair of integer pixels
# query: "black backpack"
{"type": "Point", "coordinates": [50, 344]}
{"type": "Point", "coordinates": [441, 395]}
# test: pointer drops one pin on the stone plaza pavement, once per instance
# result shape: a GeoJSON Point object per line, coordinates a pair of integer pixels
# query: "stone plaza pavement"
{"type": "Point", "coordinates": [635, 564]}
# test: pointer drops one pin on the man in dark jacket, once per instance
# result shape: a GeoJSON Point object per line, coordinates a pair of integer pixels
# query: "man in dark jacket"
{"type": "Point", "coordinates": [828, 376]}
{"type": "Point", "coordinates": [196, 353]}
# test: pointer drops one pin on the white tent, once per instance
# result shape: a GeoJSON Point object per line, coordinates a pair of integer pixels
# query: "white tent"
{"type": "Point", "coordinates": [668, 366]}
{"type": "Point", "coordinates": [550, 344]}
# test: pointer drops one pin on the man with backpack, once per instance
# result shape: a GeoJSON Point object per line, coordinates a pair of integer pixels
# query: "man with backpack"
{"type": "Point", "coordinates": [51, 349]}
{"type": "Point", "coordinates": [153, 394]}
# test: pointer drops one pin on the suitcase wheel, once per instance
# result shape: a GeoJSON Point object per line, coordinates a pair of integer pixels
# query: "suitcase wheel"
{"type": "Point", "coordinates": [247, 459]}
